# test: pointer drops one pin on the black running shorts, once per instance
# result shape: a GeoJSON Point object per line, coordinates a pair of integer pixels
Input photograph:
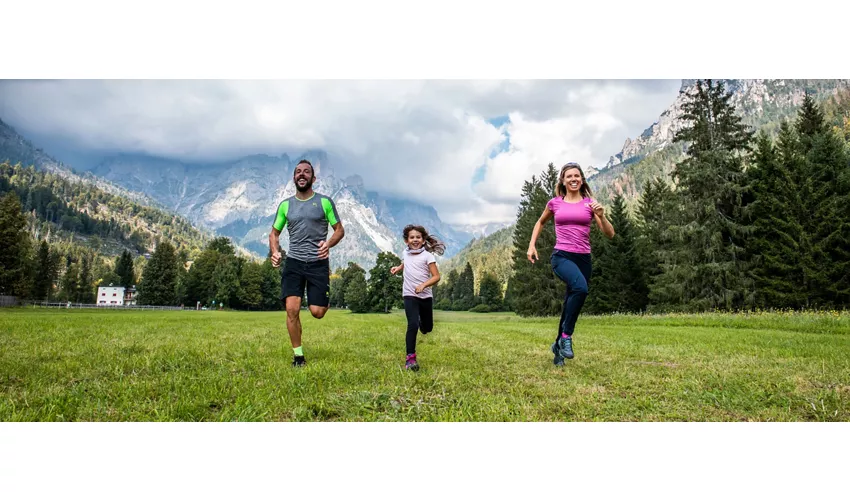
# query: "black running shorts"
{"type": "Point", "coordinates": [315, 276]}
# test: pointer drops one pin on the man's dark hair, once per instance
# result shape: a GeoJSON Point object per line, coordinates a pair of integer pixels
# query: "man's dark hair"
{"type": "Point", "coordinates": [305, 161]}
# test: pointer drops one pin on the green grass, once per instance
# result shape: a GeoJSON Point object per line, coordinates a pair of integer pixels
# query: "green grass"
{"type": "Point", "coordinates": [90, 365]}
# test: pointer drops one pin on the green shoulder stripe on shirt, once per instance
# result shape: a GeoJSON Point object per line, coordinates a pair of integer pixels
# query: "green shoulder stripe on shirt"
{"type": "Point", "coordinates": [280, 220]}
{"type": "Point", "coordinates": [330, 211]}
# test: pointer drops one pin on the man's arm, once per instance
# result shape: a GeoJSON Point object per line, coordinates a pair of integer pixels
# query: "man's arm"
{"type": "Point", "coordinates": [274, 245]}
{"type": "Point", "coordinates": [325, 246]}
{"type": "Point", "coordinates": [274, 235]}
{"type": "Point", "coordinates": [333, 219]}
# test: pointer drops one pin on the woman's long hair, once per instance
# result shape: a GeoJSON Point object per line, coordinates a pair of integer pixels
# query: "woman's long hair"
{"type": "Point", "coordinates": [431, 244]}
{"type": "Point", "coordinates": [561, 189]}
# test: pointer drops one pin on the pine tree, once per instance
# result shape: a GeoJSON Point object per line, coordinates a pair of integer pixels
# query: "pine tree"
{"type": "Point", "coordinates": [658, 211]}
{"type": "Point", "coordinates": [444, 291]}
{"type": "Point", "coordinates": [633, 290]}
{"type": "Point", "coordinates": [490, 292]}
{"type": "Point", "coordinates": [602, 298]}
{"type": "Point", "coordinates": [55, 266]}
{"type": "Point", "coordinates": [124, 270]}
{"type": "Point", "coordinates": [618, 281]}
{"type": "Point", "coordinates": [463, 297]}
{"type": "Point", "coordinates": [44, 277]}
{"type": "Point", "coordinates": [85, 290]}
{"type": "Point", "coordinates": [535, 290]}
{"type": "Point", "coordinates": [158, 285]}
{"type": "Point", "coordinates": [828, 201]}
{"type": "Point", "coordinates": [779, 249]}
{"type": "Point", "coordinates": [70, 283]}
{"type": "Point", "coordinates": [15, 245]}
{"type": "Point", "coordinates": [708, 270]}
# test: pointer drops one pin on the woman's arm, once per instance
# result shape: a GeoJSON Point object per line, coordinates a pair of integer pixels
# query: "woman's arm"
{"type": "Point", "coordinates": [601, 221]}
{"type": "Point", "coordinates": [538, 226]}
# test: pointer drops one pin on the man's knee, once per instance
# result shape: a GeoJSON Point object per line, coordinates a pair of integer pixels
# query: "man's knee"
{"type": "Point", "coordinates": [292, 314]}
{"type": "Point", "coordinates": [318, 312]}
{"type": "Point", "coordinates": [293, 309]}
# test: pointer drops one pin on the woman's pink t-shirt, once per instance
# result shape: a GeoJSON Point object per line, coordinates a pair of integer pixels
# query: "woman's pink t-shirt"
{"type": "Point", "coordinates": [572, 224]}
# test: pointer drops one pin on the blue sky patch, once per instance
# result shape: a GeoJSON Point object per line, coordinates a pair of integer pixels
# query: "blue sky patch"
{"type": "Point", "coordinates": [499, 120]}
{"type": "Point", "coordinates": [503, 146]}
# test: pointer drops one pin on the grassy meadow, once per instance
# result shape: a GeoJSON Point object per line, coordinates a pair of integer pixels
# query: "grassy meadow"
{"type": "Point", "coordinates": [95, 365]}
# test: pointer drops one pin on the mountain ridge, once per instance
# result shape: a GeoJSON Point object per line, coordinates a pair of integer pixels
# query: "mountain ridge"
{"type": "Point", "coordinates": [239, 199]}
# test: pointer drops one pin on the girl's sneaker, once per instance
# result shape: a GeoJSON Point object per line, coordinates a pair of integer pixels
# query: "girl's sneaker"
{"type": "Point", "coordinates": [410, 363]}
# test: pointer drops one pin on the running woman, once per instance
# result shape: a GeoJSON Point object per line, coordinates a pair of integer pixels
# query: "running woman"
{"type": "Point", "coordinates": [574, 210]}
{"type": "Point", "coordinates": [420, 274]}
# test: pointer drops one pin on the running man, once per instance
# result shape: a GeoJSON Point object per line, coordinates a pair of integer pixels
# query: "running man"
{"type": "Point", "coordinates": [307, 215]}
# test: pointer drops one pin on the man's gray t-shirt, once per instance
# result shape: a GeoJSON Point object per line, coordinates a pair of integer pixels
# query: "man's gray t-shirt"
{"type": "Point", "coordinates": [307, 221]}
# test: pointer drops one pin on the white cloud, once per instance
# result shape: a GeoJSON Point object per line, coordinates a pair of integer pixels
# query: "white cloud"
{"type": "Point", "coordinates": [423, 140]}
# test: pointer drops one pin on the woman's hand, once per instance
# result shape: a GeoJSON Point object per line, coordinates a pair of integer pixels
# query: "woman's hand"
{"type": "Point", "coordinates": [597, 208]}
{"type": "Point", "coordinates": [532, 254]}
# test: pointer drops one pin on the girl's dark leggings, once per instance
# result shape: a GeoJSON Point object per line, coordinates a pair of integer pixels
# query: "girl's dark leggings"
{"type": "Point", "coordinates": [420, 316]}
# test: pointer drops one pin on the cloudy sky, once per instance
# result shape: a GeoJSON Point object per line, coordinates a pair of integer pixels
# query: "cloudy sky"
{"type": "Point", "coordinates": [464, 147]}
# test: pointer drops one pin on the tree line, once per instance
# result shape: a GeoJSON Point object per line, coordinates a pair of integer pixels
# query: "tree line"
{"type": "Point", "coordinates": [57, 204]}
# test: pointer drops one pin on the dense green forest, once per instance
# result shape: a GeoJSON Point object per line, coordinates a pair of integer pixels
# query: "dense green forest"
{"type": "Point", "coordinates": [750, 220]}
{"type": "Point", "coordinates": [108, 222]}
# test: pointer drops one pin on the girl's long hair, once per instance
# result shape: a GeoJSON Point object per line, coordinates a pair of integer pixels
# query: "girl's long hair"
{"type": "Point", "coordinates": [561, 189]}
{"type": "Point", "coordinates": [432, 244]}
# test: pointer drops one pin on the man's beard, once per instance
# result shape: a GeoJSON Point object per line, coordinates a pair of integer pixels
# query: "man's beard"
{"type": "Point", "coordinates": [306, 186]}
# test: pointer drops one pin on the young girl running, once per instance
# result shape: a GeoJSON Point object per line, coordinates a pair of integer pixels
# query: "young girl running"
{"type": "Point", "coordinates": [573, 210]}
{"type": "Point", "coordinates": [420, 274]}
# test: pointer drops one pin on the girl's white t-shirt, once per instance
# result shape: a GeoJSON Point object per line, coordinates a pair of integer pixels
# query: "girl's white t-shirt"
{"type": "Point", "coordinates": [416, 272]}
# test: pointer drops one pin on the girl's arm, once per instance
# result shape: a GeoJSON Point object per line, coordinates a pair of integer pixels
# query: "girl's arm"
{"type": "Point", "coordinates": [532, 251]}
{"type": "Point", "coordinates": [397, 268]}
{"type": "Point", "coordinates": [435, 278]}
